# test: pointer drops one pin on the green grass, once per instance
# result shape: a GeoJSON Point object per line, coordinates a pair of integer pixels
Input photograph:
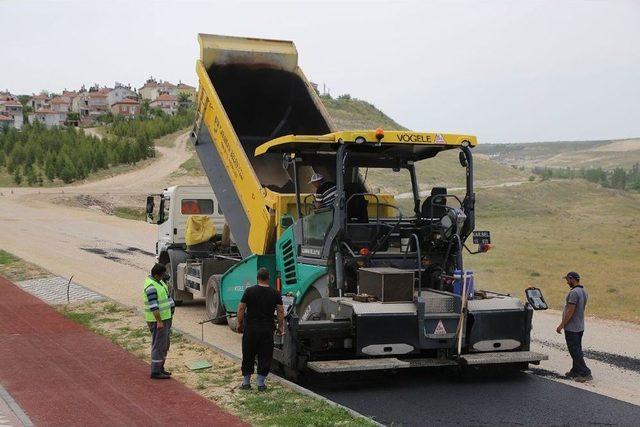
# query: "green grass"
{"type": "Point", "coordinates": [82, 318]}
{"type": "Point", "coordinates": [276, 409]}
{"type": "Point", "coordinates": [17, 269]}
{"type": "Point", "coordinates": [128, 212]}
{"type": "Point", "coordinates": [6, 258]}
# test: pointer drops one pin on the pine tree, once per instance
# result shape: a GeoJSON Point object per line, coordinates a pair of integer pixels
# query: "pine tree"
{"type": "Point", "coordinates": [17, 177]}
{"type": "Point", "coordinates": [69, 172]}
{"type": "Point", "coordinates": [31, 177]}
{"type": "Point", "coordinates": [50, 168]}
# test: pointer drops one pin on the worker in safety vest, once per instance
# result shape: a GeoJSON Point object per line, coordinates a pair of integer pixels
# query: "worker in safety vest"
{"type": "Point", "coordinates": [158, 312]}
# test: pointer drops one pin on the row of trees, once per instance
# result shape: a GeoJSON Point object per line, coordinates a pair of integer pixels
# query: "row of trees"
{"type": "Point", "coordinates": [618, 178]}
{"type": "Point", "coordinates": [152, 126]}
{"type": "Point", "coordinates": [36, 153]}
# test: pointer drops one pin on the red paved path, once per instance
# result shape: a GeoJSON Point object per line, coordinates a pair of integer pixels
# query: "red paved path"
{"type": "Point", "coordinates": [62, 374]}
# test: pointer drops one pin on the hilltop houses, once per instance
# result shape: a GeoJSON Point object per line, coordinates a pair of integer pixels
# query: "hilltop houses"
{"type": "Point", "coordinates": [86, 106]}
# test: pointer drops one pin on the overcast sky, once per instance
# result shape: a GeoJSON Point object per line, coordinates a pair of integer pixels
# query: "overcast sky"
{"type": "Point", "coordinates": [506, 71]}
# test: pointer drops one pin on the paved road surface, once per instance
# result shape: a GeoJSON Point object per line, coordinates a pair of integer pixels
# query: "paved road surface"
{"type": "Point", "coordinates": [426, 397]}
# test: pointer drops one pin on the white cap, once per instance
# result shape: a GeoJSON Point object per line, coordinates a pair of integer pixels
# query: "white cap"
{"type": "Point", "coordinates": [316, 177]}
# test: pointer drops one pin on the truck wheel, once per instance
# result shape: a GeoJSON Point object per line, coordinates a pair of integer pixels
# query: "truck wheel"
{"type": "Point", "coordinates": [215, 309]}
{"type": "Point", "coordinates": [176, 257]}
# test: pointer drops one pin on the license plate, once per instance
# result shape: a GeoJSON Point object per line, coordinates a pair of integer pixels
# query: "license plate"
{"type": "Point", "coordinates": [481, 237]}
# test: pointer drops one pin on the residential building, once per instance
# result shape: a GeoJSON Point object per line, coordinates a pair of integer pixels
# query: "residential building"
{"type": "Point", "coordinates": [10, 107]}
{"type": "Point", "coordinates": [90, 104]}
{"type": "Point", "coordinates": [149, 90]}
{"type": "Point", "coordinates": [48, 117]}
{"type": "Point", "coordinates": [190, 91]}
{"type": "Point", "coordinates": [120, 92]}
{"type": "Point", "coordinates": [126, 107]}
{"type": "Point", "coordinates": [60, 104]}
{"type": "Point", "coordinates": [69, 95]}
{"type": "Point", "coordinates": [39, 102]}
{"type": "Point", "coordinates": [152, 89]}
{"type": "Point", "coordinates": [165, 102]}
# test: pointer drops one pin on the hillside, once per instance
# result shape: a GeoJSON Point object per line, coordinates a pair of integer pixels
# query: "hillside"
{"type": "Point", "coordinates": [542, 230]}
{"type": "Point", "coordinates": [348, 114]}
{"type": "Point", "coordinates": [606, 154]}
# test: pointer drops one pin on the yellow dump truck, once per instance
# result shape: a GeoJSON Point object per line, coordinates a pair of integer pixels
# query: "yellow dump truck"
{"type": "Point", "coordinates": [369, 283]}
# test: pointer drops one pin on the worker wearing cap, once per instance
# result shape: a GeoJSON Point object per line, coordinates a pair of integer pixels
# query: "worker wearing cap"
{"type": "Point", "coordinates": [573, 325]}
{"type": "Point", "coordinates": [158, 312]}
{"type": "Point", "coordinates": [325, 194]}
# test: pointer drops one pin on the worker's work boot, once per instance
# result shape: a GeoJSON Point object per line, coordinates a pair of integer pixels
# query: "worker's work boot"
{"type": "Point", "coordinates": [166, 372]}
{"type": "Point", "coordinates": [159, 376]}
{"type": "Point", "coordinates": [245, 387]}
{"type": "Point", "coordinates": [570, 374]}
{"type": "Point", "coordinates": [262, 388]}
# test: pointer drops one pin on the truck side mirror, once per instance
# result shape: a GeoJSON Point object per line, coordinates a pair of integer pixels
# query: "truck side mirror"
{"type": "Point", "coordinates": [463, 159]}
{"type": "Point", "coordinates": [535, 298]}
{"type": "Point", "coordinates": [149, 210]}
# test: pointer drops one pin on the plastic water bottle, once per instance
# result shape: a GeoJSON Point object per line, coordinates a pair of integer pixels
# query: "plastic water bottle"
{"type": "Point", "coordinates": [457, 282]}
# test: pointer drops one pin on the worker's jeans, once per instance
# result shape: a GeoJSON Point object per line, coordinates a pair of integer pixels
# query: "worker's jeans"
{"type": "Point", "coordinates": [574, 343]}
{"type": "Point", "coordinates": [160, 343]}
{"type": "Point", "coordinates": [257, 340]}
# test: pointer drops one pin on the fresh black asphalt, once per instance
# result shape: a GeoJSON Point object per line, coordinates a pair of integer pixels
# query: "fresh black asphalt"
{"type": "Point", "coordinates": [428, 397]}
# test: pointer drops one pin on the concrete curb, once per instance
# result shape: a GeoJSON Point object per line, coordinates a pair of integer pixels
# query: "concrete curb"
{"type": "Point", "coordinates": [13, 405]}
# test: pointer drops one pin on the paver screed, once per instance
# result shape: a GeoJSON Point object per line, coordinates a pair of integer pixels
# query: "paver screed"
{"type": "Point", "coordinates": [62, 374]}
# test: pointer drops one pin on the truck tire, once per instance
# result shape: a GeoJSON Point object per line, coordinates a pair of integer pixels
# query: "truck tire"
{"type": "Point", "coordinates": [215, 308]}
{"type": "Point", "coordinates": [176, 257]}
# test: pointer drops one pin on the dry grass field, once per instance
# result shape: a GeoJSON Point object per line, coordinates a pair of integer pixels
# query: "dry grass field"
{"type": "Point", "coordinates": [543, 230]}
{"type": "Point", "coordinates": [580, 154]}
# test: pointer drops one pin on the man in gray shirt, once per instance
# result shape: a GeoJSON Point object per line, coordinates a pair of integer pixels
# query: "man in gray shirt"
{"type": "Point", "coordinates": [573, 325]}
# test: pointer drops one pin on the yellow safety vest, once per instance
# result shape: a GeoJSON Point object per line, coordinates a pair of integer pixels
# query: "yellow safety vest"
{"type": "Point", "coordinates": [163, 304]}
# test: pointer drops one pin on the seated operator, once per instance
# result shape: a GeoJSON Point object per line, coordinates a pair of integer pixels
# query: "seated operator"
{"type": "Point", "coordinates": [325, 194]}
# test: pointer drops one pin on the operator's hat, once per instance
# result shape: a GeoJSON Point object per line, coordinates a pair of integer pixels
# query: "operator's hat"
{"type": "Point", "coordinates": [572, 275]}
{"type": "Point", "coordinates": [316, 177]}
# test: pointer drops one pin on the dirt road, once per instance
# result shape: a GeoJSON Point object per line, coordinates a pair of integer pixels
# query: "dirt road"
{"type": "Point", "coordinates": [112, 256]}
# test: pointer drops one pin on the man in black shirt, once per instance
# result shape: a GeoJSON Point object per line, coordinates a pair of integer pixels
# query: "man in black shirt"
{"type": "Point", "coordinates": [255, 322]}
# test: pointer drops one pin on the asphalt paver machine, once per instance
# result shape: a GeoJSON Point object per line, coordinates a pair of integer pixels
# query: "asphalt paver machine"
{"type": "Point", "coordinates": [371, 282]}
